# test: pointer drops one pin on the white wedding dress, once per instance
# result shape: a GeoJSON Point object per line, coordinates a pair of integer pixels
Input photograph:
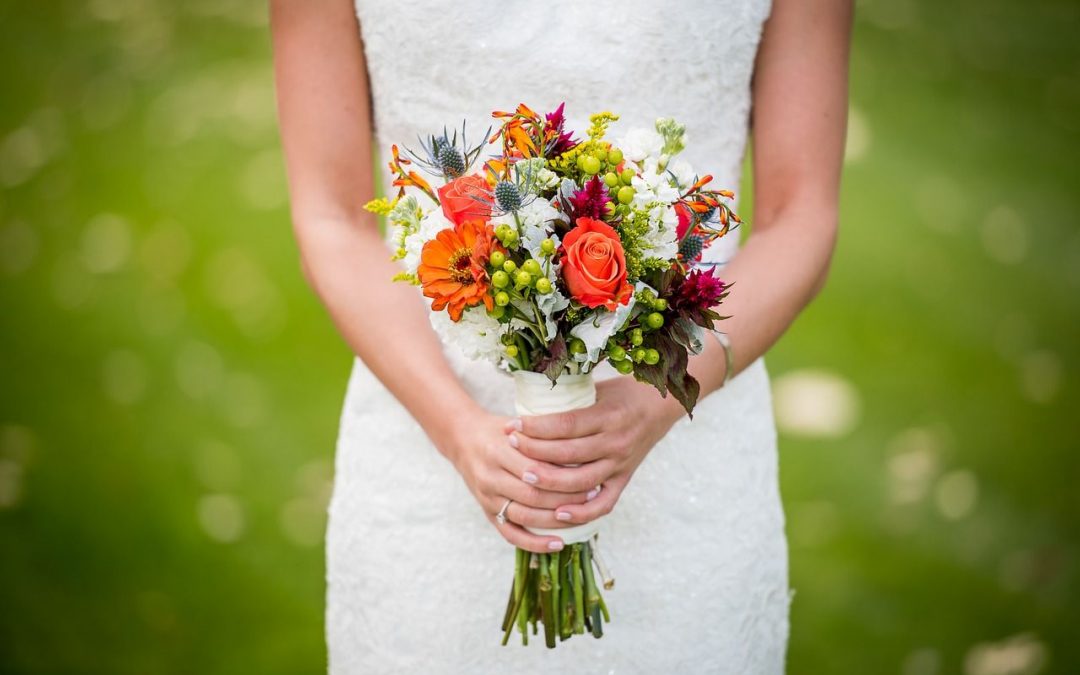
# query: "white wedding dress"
{"type": "Point", "coordinates": [417, 577]}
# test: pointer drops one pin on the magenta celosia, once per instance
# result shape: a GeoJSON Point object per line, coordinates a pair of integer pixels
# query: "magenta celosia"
{"type": "Point", "coordinates": [697, 292]}
{"type": "Point", "coordinates": [589, 201]}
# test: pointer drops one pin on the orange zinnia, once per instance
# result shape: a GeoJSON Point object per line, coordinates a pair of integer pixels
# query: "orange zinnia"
{"type": "Point", "coordinates": [453, 267]}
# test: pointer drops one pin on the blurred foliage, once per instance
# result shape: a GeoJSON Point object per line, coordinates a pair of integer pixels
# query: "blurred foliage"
{"type": "Point", "coordinates": [171, 387]}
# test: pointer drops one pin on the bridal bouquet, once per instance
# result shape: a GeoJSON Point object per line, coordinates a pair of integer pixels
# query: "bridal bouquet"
{"type": "Point", "coordinates": [549, 257]}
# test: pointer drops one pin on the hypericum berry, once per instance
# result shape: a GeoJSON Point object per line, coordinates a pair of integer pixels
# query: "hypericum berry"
{"type": "Point", "coordinates": [627, 176]}
{"type": "Point", "coordinates": [611, 179]}
{"type": "Point", "coordinates": [691, 247]}
{"type": "Point", "coordinates": [625, 367]}
{"type": "Point", "coordinates": [450, 160]}
{"type": "Point", "coordinates": [652, 357]}
{"type": "Point", "coordinates": [497, 258]}
{"type": "Point", "coordinates": [590, 165]}
{"type": "Point", "coordinates": [616, 353]}
{"type": "Point", "coordinates": [500, 279]}
{"type": "Point", "coordinates": [626, 194]}
{"type": "Point", "coordinates": [614, 156]}
{"type": "Point", "coordinates": [511, 351]}
{"type": "Point", "coordinates": [638, 354]}
{"type": "Point", "coordinates": [507, 196]}
{"type": "Point", "coordinates": [636, 337]}
{"type": "Point", "coordinates": [523, 278]}
{"type": "Point", "coordinates": [502, 298]}
{"type": "Point", "coordinates": [531, 266]}
{"type": "Point", "coordinates": [576, 346]}
{"type": "Point", "coordinates": [497, 312]}
{"type": "Point", "coordinates": [547, 246]}
{"type": "Point", "coordinates": [543, 286]}
{"type": "Point", "coordinates": [659, 304]}
{"type": "Point", "coordinates": [510, 266]}
{"type": "Point", "coordinates": [609, 207]}
{"type": "Point", "coordinates": [654, 320]}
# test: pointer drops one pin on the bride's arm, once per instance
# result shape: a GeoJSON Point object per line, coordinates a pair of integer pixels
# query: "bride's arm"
{"type": "Point", "coordinates": [799, 120]}
{"type": "Point", "coordinates": [326, 128]}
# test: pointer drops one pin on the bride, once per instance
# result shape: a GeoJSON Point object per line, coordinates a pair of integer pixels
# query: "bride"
{"type": "Point", "coordinates": [416, 573]}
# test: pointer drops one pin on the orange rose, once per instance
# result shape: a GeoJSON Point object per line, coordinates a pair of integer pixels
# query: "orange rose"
{"type": "Point", "coordinates": [594, 265]}
{"type": "Point", "coordinates": [459, 199]}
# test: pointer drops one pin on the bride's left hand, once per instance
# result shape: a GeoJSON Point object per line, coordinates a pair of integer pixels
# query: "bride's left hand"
{"type": "Point", "coordinates": [609, 440]}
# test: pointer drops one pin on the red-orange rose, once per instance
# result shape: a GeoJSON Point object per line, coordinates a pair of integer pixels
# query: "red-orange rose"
{"type": "Point", "coordinates": [594, 265]}
{"type": "Point", "coordinates": [459, 199]}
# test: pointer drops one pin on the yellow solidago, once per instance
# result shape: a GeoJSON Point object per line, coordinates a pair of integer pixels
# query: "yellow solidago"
{"type": "Point", "coordinates": [599, 123]}
{"type": "Point", "coordinates": [380, 206]}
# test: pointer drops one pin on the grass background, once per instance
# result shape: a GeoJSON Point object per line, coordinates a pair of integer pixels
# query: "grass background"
{"type": "Point", "coordinates": [170, 388]}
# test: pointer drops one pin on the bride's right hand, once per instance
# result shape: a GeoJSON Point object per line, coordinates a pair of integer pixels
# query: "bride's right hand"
{"type": "Point", "coordinates": [495, 472]}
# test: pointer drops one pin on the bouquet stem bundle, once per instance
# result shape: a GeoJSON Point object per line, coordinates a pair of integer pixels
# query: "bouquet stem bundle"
{"type": "Point", "coordinates": [558, 591]}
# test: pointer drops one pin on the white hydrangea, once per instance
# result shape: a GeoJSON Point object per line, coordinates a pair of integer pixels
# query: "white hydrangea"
{"type": "Point", "coordinates": [431, 224]}
{"type": "Point", "coordinates": [476, 335]}
{"type": "Point", "coordinates": [639, 143]}
{"type": "Point", "coordinates": [654, 192]}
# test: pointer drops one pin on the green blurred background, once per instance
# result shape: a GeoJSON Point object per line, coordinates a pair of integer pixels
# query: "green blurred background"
{"type": "Point", "coordinates": [170, 387]}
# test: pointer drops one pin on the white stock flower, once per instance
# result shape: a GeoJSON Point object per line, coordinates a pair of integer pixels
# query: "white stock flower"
{"type": "Point", "coordinates": [536, 218]}
{"type": "Point", "coordinates": [476, 335]}
{"type": "Point", "coordinates": [640, 143]}
{"type": "Point", "coordinates": [430, 225]}
{"type": "Point", "coordinates": [683, 172]}
{"type": "Point", "coordinates": [594, 332]}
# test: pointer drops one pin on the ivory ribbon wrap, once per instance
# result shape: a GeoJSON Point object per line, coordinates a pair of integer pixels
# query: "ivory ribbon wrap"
{"type": "Point", "coordinates": [534, 395]}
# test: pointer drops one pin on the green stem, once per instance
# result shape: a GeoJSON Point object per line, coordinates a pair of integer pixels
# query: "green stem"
{"type": "Point", "coordinates": [579, 594]}
{"type": "Point", "coordinates": [592, 595]}
{"type": "Point", "coordinates": [556, 609]}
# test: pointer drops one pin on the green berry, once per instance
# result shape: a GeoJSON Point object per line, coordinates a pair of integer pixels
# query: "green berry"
{"type": "Point", "coordinates": [497, 312]}
{"type": "Point", "coordinates": [590, 165]}
{"type": "Point", "coordinates": [654, 320]}
{"type": "Point", "coordinates": [497, 259]}
{"type": "Point", "coordinates": [611, 179]}
{"type": "Point", "coordinates": [626, 194]}
{"type": "Point", "coordinates": [523, 278]}
{"type": "Point", "coordinates": [614, 156]}
{"type": "Point", "coordinates": [652, 357]}
{"type": "Point", "coordinates": [617, 353]}
{"type": "Point", "coordinates": [625, 367]}
{"type": "Point", "coordinates": [511, 238]}
{"type": "Point", "coordinates": [636, 337]}
{"type": "Point", "coordinates": [500, 279]}
{"type": "Point", "coordinates": [532, 267]}
{"type": "Point", "coordinates": [543, 286]}
{"type": "Point", "coordinates": [510, 266]}
{"type": "Point", "coordinates": [626, 176]}
{"type": "Point", "coordinates": [511, 351]}
{"type": "Point", "coordinates": [547, 246]}
{"type": "Point", "coordinates": [600, 154]}
{"type": "Point", "coordinates": [638, 354]}
{"type": "Point", "coordinates": [576, 346]}
{"type": "Point", "coordinates": [609, 207]}
{"type": "Point", "coordinates": [659, 304]}
{"type": "Point", "coordinates": [502, 298]}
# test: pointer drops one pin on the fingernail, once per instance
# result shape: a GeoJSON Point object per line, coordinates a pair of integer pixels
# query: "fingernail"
{"type": "Point", "coordinates": [591, 494]}
{"type": "Point", "coordinates": [513, 425]}
{"type": "Point", "coordinates": [562, 515]}
{"type": "Point", "coordinates": [529, 477]}
{"type": "Point", "coordinates": [555, 545]}
{"type": "Point", "coordinates": [513, 440]}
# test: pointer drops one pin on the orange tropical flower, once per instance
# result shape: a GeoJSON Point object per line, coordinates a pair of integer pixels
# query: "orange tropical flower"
{"type": "Point", "coordinates": [453, 267]}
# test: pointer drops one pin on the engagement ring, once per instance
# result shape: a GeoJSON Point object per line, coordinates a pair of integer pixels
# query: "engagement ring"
{"type": "Point", "coordinates": [500, 517]}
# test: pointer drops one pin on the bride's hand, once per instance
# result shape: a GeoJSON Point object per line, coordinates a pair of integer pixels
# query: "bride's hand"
{"type": "Point", "coordinates": [494, 472]}
{"type": "Point", "coordinates": [609, 440]}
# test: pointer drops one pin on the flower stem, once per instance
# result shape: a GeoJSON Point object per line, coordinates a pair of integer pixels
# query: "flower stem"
{"type": "Point", "coordinates": [579, 594]}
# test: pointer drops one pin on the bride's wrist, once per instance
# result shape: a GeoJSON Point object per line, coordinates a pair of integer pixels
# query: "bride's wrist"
{"type": "Point", "coordinates": [455, 425]}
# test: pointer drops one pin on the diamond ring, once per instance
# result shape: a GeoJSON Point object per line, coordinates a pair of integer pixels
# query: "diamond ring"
{"type": "Point", "coordinates": [500, 517]}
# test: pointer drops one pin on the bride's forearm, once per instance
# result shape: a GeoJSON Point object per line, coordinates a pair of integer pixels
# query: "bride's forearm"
{"type": "Point", "coordinates": [776, 273]}
{"type": "Point", "coordinates": [385, 323]}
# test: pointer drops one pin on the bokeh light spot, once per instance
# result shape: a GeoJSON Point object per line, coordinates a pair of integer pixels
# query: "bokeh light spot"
{"type": "Point", "coordinates": [1022, 654]}
{"type": "Point", "coordinates": [815, 403]}
{"type": "Point", "coordinates": [1041, 376]}
{"type": "Point", "coordinates": [106, 243]}
{"type": "Point", "coordinates": [221, 517]}
{"type": "Point", "coordinates": [124, 376]}
{"type": "Point", "coordinates": [1005, 236]}
{"type": "Point", "coordinates": [199, 370]}
{"type": "Point", "coordinates": [956, 494]}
